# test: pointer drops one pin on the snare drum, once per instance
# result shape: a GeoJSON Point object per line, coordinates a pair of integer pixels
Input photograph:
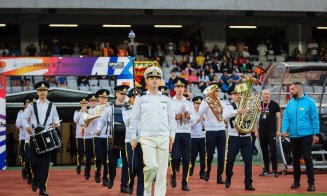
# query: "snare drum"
{"type": "Point", "coordinates": [118, 136]}
{"type": "Point", "coordinates": [46, 140]}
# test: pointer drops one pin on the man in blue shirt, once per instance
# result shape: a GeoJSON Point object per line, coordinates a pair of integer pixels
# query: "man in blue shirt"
{"type": "Point", "coordinates": [301, 124]}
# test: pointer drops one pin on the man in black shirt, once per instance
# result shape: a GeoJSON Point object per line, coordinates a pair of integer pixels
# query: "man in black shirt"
{"type": "Point", "coordinates": [269, 130]}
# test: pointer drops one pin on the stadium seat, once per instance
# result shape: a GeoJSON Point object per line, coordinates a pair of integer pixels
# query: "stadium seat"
{"type": "Point", "coordinates": [8, 89]}
{"type": "Point", "coordinates": [104, 84]}
{"type": "Point", "coordinates": [84, 88]}
{"type": "Point", "coordinates": [262, 59]}
{"type": "Point", "coordinates": [280, 58]}
{"type": "Point", "coordinates": [93, 82]}
{"type": "Point", "coordinates": [94, 89]}
{"type": "Point", "coordinates": [271, 57]}
{"type": "Point", "coordinates": [16, 89]}
{"type": "Point", "coordinates": [179, 58]}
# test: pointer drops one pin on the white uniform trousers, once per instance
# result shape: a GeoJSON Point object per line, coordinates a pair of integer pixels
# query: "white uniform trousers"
{"type": "Point", "coordinates": [155, 158]}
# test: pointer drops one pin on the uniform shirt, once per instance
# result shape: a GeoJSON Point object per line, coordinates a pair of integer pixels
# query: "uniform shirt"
{"type": "Point", "coordinates": [22, 131]}
{"type": "Point", "coordinates": [88, 130]}
{"type": "Point", "coordinates": [104, 124]}
{"type": "Point", "coordinates": [156, 115]}
{"type": "Point", "coordinates": [42, 108]}
{"type": "Point", "coordinates": [196, 128]}
{"type": "Point", "coordinates": [211, 122]}
{"type": "Point", "coordinates": [178, 105]}
{"type": "Point", "coordinates": [230, 115]}
{"type": "Point", "coordinates": [127, 115]}
{"type": "Point", "coordinates": [77, 116]}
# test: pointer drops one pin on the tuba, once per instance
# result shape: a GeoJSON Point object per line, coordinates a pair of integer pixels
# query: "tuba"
{"type": "Point", "coordinates": [213, 101]}
{"type": "Point", "coordinates": [96, 114]}
{"type": "Point", "coordinates": [244, 123]}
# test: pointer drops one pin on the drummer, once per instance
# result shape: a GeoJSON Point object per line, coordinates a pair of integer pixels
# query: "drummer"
{"type": "Point", "coordinates": [42, 113]}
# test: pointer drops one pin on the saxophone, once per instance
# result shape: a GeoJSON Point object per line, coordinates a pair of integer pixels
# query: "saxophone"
{"type": "Point", "coordinates": [244, 123]}
{"type": "Point", "coordinates": [213, 101]}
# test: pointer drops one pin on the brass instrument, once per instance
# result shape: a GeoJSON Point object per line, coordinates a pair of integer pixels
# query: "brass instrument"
{"type": "Point", "coordinates": [96, 114]}
{"type": "Point", "coordinates": [244, 123]}
{"type": "Point", "coordinates": [213, 101]}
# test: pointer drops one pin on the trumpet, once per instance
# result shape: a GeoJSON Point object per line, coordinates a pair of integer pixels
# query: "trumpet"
{"type": "Point", "coordinates": [96, 114]}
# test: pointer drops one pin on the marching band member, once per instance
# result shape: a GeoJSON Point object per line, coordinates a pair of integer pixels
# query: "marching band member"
{"type": "Point", "coordinates": [79, 135]}
{"type": "Point", "coordinates": [115, 152]}
{"type": "Point", "coordinates": [22, 136]}
{"type": "Point", "coordinates": [101, 136]}
{"type": "Point", "coordinates": [154, 113]}
{"type": "Point", "coordinates": [215, 137]}
{"type": "Point", "coordinates": [134, 157]}
{"type": "Point", "coordinates": [45, 112]}
{"type": "Point", "coordinates": [163, 90]}
{"type": "Point", "coordinates": [184, 115]}
{"type": "Point", "coordinates": [88, 135]}
{"type": "Point", "coordinates": [237, 142]}
{"type": "Point", "coordinates": [198, 138]}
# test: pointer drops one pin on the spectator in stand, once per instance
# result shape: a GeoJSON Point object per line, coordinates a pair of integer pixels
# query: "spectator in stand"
{"type": "Point", "coordinates": [191, 57]}
{"type": "Point", "coordinates": [211, 74]}
{"type": "Point", "coordinates": [170, 82]}
{"type": "Point", "coordinates": [207, 53]}
{"type": "Point", "coordinates": [76, 49]}
{"type": "Point", "coordinates": [174, 65]}
{"type": "Point", "coordinates": [188, 69]}
{"type": "Point", "coordinates": [262, 49]}
{"type": "Point", "coordinates": [17, 80]}
{"type": "Point", "coordinates": [31, 49]}
{"type": "Point", "coordinates": [259, 70]}
{"type": "Point", "coordinates": [171, 47]}
{"type": "Point", "coordinates": [203, 80]}
{"type": "Point", "coordinates": [43, 48]}
{"type": "Point", "coordinates": [207, 69]}
{"type": "Point", "coordinates": [215, 65]}
{"type": "Point", "coordinates": [226, 86]}
{"type": "Point", "coordinates": [62, 81]}
{"type": "Point", "coordinates": [297, 55]}
{"type": "Point", "coordinates": [14, 51]}
{"type": "Point", "coordinates": [51, 80]}
{"type": "Point", "coordinates": [232, 49]}
{"type": "Point", "coordinates": [200, 60]}
{"type": "Point", "coordinates": [184, 46]}
{"type": "Point", "coordinates": [215, 51]}
{"type": "Point", "coordinates": [122, 52]}
{"type": "Point", "coordinates": [27, 82]}
{"type": "Point", "coordinates": [226, 53]}
{"type": "Point", "coordinates": [235, 66]}
{"type": "Point", "coordinates": [323, 55]}
{"type": "Point", "coordinates": [248, 66]}
{"type": "Point", "coordinates": [270, 47]}
{"type": "Point", "coordinates": [246, 53]}
{"type": "Point", "coordinates": [107, 50]}
{"type": "Point", "coordinates": [235, 77]}
{"type": "Point", "coordinates": [3, 50]}
{"type": "Point", "coordinates": [313, 50]}
{"type": "Point", "coordinates": [215, 79]}
{"type": "Point", "coordinates": [65, 49]}
{"type": "Point", "coordinates": [225, 65]}
{"type": "Point", "coordinates": [198, 44]}
{"type": "Point", "coordinates": [159, 52]}
{"type": "Point", "coordinates": [224, 78]}
{"type": "Point", "coordinates": [55, 48]}
{"type": "Point", "coordinates": [184, 63]}
{"type": "Point", "coordinates": [192, 77]}
{"type": "Point", "coordinates": [149, 53]}
{"type": "Point", "coordinates": [97, 52]}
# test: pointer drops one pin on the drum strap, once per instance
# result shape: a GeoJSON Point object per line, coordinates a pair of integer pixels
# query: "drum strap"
{"type": "Point", "coordinates": [46, 116]}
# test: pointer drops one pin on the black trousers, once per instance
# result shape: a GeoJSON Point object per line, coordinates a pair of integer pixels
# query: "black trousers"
{"type": "Point", "coordinates": [40, 166]}
{"type": "Point", "coordinates": [181, 149]}
{"type": "Point", "coordinates": [101, 156]}
{"type": "Point", "coordinates": [215, 139]}
{"type": "Point", "coordinates": [27, 158]}
{"type": "Point", "coordinates": [198, 147]}
{"type": "Point", "coordinates": [88, 145]}
{"type": "Point", "coordinates": [302, 147]}
{"type": "Point", "coordinates": [80, 151]}
{"type": "Point", "coordinates": [135, 167]}
{"type": "Point", "coordinates": [268, 143]}
{"type": "Point", "coordinates": [22, 157]}
{"type": "Point", "coordinates": [243, 144]}
{"type": "Point", "coordinates": [114, 155]}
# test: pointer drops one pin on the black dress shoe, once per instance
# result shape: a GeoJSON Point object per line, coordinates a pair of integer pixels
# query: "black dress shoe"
{"type": "Point", "coordinates": [220, 180]}
{"type": "Point", "coordinates": [78, 170]}
{"type": "Point", "coordinates": [130, 188]}
{"type": "Point", "coordinates": [110, 184]}
{"type": "Point", "coordinates": [97, 178]}
{"type": "Point", "coordinates": [227, 182]}
{"type": "Point", "coordinates": [45, 193]}
{"type": "Point", "coordinates": [311, 188]}
{"type": "Point", "coordinates": [87, 176]}
{"type": "Point", "coordinates": [173, 182]}
{"type": "Point", "coordinates": [202, 176]}
{"type": "Point", "coordinates": [249, 188]}
{"type": "Point", "coordinates": [105, 183]}
{"type": "Point", "coordinates": [124, 189]}
{"type": "Point", "coordinates": [295, 185]}
{"type": "Point", "coordinates": [185, 188]}
{"type": "Point", "coordinates": [29, 181]}
{"type": "Point", "coordinates": [34, 187]}
{"type": "Point", "coordinates": [206, 176]}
